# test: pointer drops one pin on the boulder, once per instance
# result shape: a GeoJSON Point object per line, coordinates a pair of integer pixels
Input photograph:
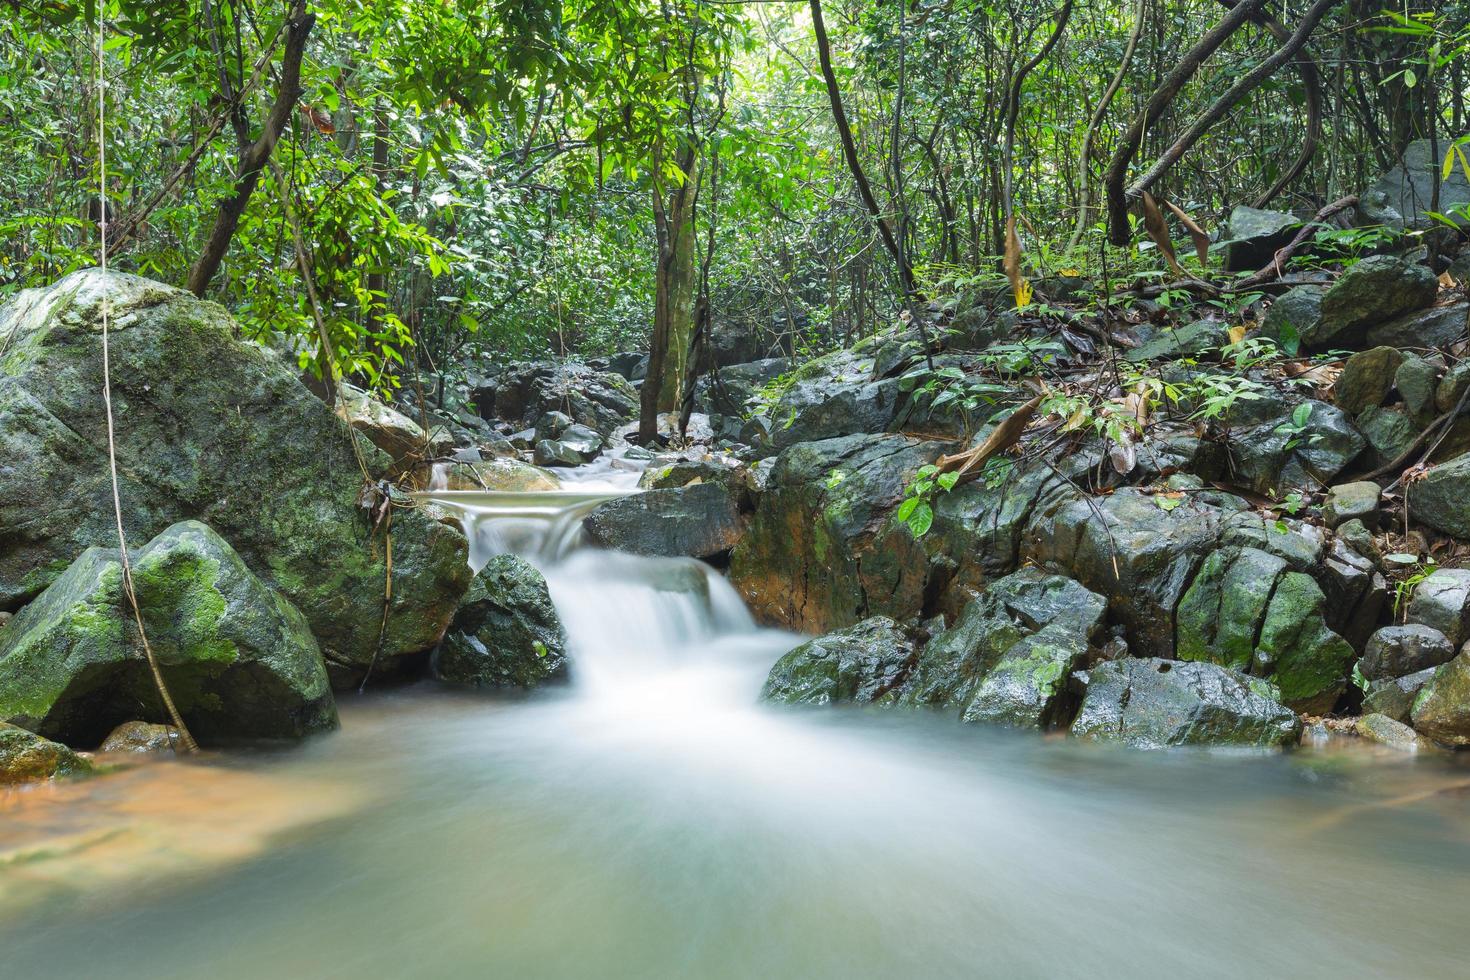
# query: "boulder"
{"type": "Point", "coordinates": [1294, 315]}
{"type": "Point", "coordinates": [1186, 341]}
{"type": "Point", "coordinates": [1442, 709]}
{"type": "Point", "coordinates": [26, 757]}
{"type": "Point", "coordinates": [727, 472]}
{"type": "Point", "coordinates": [1352, 502]}
{"type": "Point", "coordinates": [1252, 237]}
{"type": "Point", "coordinates": [1416, 380]}
{"type": "Point", "coordinates": [1245, 610]}
{"type": "Point", "coordinates": [506, 634]}
{"type": "Point", "coordinates": [1366, 379]}
{"type": "Point", "coordinates": [1374, 290]}
{"type": "Point", "coordinates": [834, 395]}
{"type": "Point", "coordinates": [554, 452]}
{"type": "Point", "coordinates": [238, 659]}
{"type": "Point", "coordinates": [1388, 731]}
{"type": "Point", "coordinates": [1266, 453]}
{"type": "Point", "coordinates": [209, 428]}
{"type": "Point", "coordinates": [823, 551]}
{"type": "Point", "coordinates": [701, 520]}
{"type": "Point", "coordinates": [1402, 196]}
{"type": "Point", "coordinates": [1388, 431]}
{"type": "Point", "coordinates": [505, 475]}
{"type": "Point", "coordinates": [1438, 326]}
{"type": "Point", "coordinates": [1395, 696]}
{"type": "Point", "coordinates": [729, 391]}
{"type": "Point", "coordinates": [1006, 660]}
{"type": "Point", "coordinates": [1442, 602]}
{"type": "Point", "coordinates": [394, 433]}
{"type": "Point", "coordinates": [1396, 651]}
{"type": "Point", "coordinates": [1155, 703]}
{"type": "Point", "coordinates": [141, 738]}
{"type": "Point", "coordinates": [858, 665]}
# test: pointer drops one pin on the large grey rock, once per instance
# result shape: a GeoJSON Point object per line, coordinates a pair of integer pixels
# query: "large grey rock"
{"type": "Point", "coordinates": [858, 665]}
{"type": "Point", "coordinates": [1442, 710]}
{"type": "Point", "coordinates": [238, 659]}
{"type": "Point", "coordinates": [209, 428]}
{"type": "Point", "coordinates": [1402, 196]}
{"type": "Point", "coordinates": [1294, 315]}
{"type": "Point", "coordinates": [525, 391]}
{"type": "Point", "coordinates": [729, 390]}
{"type": "Point", "coordinates": [1442, 602]}
{"type": "Point", "coordinates": [1395, 696]}
{"type": "Point", "coordinates": [1254, 235]}
{"type": "Point", "coordinates": [26, 757]}
{"type": "Point", "coordinates": [1417, 380]}
{"type": "Point", "coordinates": [1438, 326]}
{"type": "Point", "coordinates": [701, 520]}
{"type": "Point", "coordinates": [1268, 455]}
{"type": "Point", "coordinates": [1366, 379]}
{"type": "Point", "coordinates": [1389, 432]}
{"type": "Point", "coordinates": [1186, 341]}
{"type": "Point", "coordinates": [1156, 703]}
{"type": "Point", "coordinates": [402, 438]}
{"type": "Point", "coordinates": [834, 395]}
{"type": "Point", "coordinates": [1396, 651]}
{"type": "Point", "coordinates": [506, 634]}
{"type": "Point", "coordinates": [1352, 502]}
{"type": "Point", "coordinates": [1374, 290]}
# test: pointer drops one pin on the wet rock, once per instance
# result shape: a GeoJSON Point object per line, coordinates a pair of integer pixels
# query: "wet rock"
{"type": "Point", "coordinates": [1442, 709]}
{"type": "Point", "coordinates": [1128, 548]}
{"type": "Point", "coordinates": [1452, 387]}
{"type": "Point", "coordinates": [1438, 326]}
{"type": "Point", "coordinates": [1395, 696]}
{"type": "Point", "coordinates": [553, 452]}
{"type": "Point", "coordinates": [238, 659]}
{"type": "Point", "coordinates": [730, 390]}
{"type": "Point", "coordinates": [701, 520]}
{"type": "Point", "coordinates": [1442, 602]}
{"type": "Point", "coordinates": [1402, 196]}
{"type": "Point", "coordinates": [508, 475]}
{"type": "Point", "coordinates": [1355, 591]}
{"type": "Point", "coordinates": [731, 474]}
{"type": "Point", "coordinates": [581, 440]}
{"type": "Point", "coordinates": [394, 433]}
{"type": "Point", "coordinates": [1186, 341]}
{"type": "Point", "coordinates": [1416, 380]}
{"type": "Point", "coordinates": [1268, 455]}
{"type": "Point", "coordinates": [26, 757]}
{"type": "Point", "coordinates": [1007, 657]}
{"type": "Point", "coordinates": [525, 391]}
{"type": "Point", "coordinates": [1254, 235]}
{"type": "Point", "coordinates": [1294, 315]}
{"type": "Point", "coordinates": [1355, 535]}
{"type": "Point", "coordinates": [141, 738]}
{"type": "Point", "coordinates": [1395, 651]}
{"type": "Point", "coordinates": [506, 634]}
{"type": "Point", "coordinates": [1389, 432]}
{"type": "Point", "coordinates": [1156, 703]}
{"type": "Point", "coordinates": [1352, 501]}
{"type": "Point", "coordinates": [834, 395]}
{"type": "Point", "coordinates": [209, 428]}
{"type": "Point", "coordinates": [1373, 290]}
{"type": "Point", "coordinates": [1388, 731]}
{"type": "Point", "coordinates": [823, 551]}
{"type": "Point", "coordinates": [857, 665]}
{"type": "Point", "coordinates": [552, 424]}
{"type": "Point", "coordinates": [1246, 611]}
{"type": "Point", "coordinates": [1366, 379]}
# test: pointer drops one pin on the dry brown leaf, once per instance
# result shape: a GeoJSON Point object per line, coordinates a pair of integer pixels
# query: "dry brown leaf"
{"type": "Point", "coordinates": [1196, 233]}
{"type": "Point", "coordinates": [1006, 435]}
{"type": "Point", "coordinates": [1020, 288]}
{"type": "Point", "coordinates": [1158, 230]}
{"type": "Point", "coordinates": [1236, 334]}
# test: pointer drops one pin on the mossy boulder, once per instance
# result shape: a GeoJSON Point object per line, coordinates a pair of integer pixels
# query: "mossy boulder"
{"type": "Point", "coordinates": [1293, 315]}
{"type": "Point", "coordinates": [1247, 611]}
{"type": "Point", "coordinates": [237, 657]}
{"type": "Point", "coordinates": [211, 428]}
{"type": "Point", "coordinates": [1252, 236]}
{"type": "Point", "coordinates": [1372, 291]}
{"type": "Point", "coordinates": [26, 757]}
{"type": "Point", "coordinates": [506, 634]}
{"type": "Point", "coordinates": [1442, 709]}
{"type": "Point", "coordinates": [1154, 703]}
{"type": "Point", "coordinates": [1366, 379]}
{"type": "Point", "coordinates": [1442, 498]}
{"type": "Point", "coordinates": [861, 664]}
{"type": "Point", "coordinates": [833, 395]}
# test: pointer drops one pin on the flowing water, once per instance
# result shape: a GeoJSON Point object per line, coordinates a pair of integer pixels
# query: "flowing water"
{"type": "Point", "coordinates": [653, 820]}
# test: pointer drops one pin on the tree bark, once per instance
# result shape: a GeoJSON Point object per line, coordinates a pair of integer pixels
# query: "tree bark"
{"type": "Point", "coordinates": [258, 155]}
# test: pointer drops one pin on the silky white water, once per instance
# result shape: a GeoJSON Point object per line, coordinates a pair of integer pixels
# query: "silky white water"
{"type": "Point", "coordinates": [655, 820]}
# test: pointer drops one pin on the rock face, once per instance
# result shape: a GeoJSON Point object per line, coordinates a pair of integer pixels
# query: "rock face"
{"type": "Point", "coordinates": [1374, 290]}
{"type": "Point", "coordinates": [506, 634]}
{"type": "Point", "coordinates": [208, 428]}
{"type": "Point", "coordinates": [1401, 197]}
{"type": "Point", "coordinates": [238, 658]}
{"type": "Point", "coordinates": [26, 757]}
{"type": "Point", "coordinates": [390, 430]}
{"type": "Point", "coordinates": [823, 551]}
{"type": "Point", "coordinates": [858, 665]}
{"type": "Point", "coordinates": [701, 520]}
{"type": "Point", "coordinates": [834, 395]}
{"type": "Point", "coordinates": [524, 392]}
{"type": "Point", "coordinates": [1151, 703]}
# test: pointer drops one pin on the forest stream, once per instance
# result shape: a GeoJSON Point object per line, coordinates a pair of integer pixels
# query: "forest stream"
{"type": "Point", "coordinates": [654, 820]}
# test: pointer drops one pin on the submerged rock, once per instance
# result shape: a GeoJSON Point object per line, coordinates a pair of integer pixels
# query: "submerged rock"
{"type": "Point", "coordinates": [26, 757]}
{"type": "Point", "coordinates": [1156, 703]}
{"type": "Point", "coordinates": [238, 659]}
{"type": "Point", "coordinates": [701, 520]}
{"type": "Point", "coordinates": [506, 634]}
{"type": "Point", "coordinates": [209, 428]}
{"type": "Point", "coordinates": [858, 665]}
{"type": "Point", "coordinates": [141, 738]}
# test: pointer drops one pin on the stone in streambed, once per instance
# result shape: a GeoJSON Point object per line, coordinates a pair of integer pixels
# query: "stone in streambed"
{"type": "Point", "coordinates": [1395, 651]}
{"type": "Point", "coordinates": [857, 665]}
{"type": "Point", "coordinates": [1389, 732]}
{"type": "Point", "coordinates": [1152, 703]}
{"type": "Point", "coordinates": [238, 659]}
{"type": "Point", "coordinates": [26, 757]}
{"type": "Point", "coordinates": [506, 634]}
{"type": "Point", "coordinates": [1395, 696]}
{"type": "Point", "coordinates": [209, 428]}
{"type": "Point", "coordinates": [141, 738]}
{"type": "Point", "coordinates": [1442, 709]}
{"type": "Point", "coordinates": [701, 520]}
